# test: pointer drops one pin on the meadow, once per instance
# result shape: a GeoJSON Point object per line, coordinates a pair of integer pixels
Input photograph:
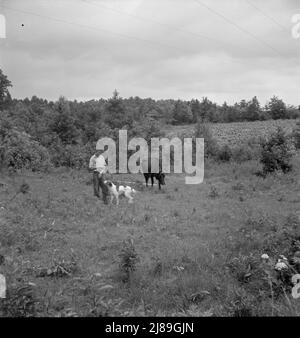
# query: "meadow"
{"type": "Point", "coordinates": [235, 133]}
{"type": "Point", "coordinates": [187, 250]}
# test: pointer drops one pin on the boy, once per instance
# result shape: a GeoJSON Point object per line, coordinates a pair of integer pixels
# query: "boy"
{"type": "Point", "coordinates": [98, 166]}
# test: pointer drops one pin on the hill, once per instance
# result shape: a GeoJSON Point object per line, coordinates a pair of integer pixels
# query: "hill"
{"type": "Point", "coordinates": [236, 132]}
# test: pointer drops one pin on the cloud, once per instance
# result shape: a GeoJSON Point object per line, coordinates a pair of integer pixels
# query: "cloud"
{"type": "Point", "coordinates": [160, 49]}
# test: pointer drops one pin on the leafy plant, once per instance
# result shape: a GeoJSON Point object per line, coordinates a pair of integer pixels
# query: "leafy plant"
{"type": "Point", "coordinates": [20, 302]}
{"type": "Point", "coordinates": [19, 151]}
{"type": "Point", "coordinates": [213, 193]}
{"type": "Point", "coordinates": [276, 153]}
{"type": "Point", "coordinates": [224, 153]}
{"type": "Point", "coordinates": [202, 130]}
{"type": "Point", "coordinates": [23, 189]}
{"type": "Point", "coordinates": [128, 259]}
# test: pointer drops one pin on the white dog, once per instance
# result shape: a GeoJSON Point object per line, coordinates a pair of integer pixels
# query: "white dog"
{"type": "Point", "coordinates": [114, 193]}
{"type": "Point", "coordinates": [127, 192]}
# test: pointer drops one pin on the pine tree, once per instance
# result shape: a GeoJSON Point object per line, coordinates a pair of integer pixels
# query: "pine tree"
{"type": "Point", "coordinates": [253, 110]}
{"type": "Point", "coordinates": [276, 108]}
{"type": "Point", "coordinates": [5, 97]}
{"type": "Point", "coordinates": [115, 112]}
{"type": "Point", "coordinates": [63, 122]}
{"type": "Point", "coordinates": [182, 113]}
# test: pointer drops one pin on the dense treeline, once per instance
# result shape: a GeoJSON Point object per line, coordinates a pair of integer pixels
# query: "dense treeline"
{"type": "Point", "coordinates": [38, 132]}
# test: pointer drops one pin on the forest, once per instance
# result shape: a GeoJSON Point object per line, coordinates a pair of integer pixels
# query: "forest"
{"type": "Point", "coordinates": [36, 133]}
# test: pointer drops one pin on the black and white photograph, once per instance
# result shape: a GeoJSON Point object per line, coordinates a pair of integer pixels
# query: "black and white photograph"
{"type": "Point", "coordinates": [149, 161]}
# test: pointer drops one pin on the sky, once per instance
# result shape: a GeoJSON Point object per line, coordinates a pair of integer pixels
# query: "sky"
{"type": "Point", "coordinates": [227, 50]}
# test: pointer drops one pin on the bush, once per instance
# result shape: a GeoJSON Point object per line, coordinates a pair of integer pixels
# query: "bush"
{"type": "Point", "coordinates": [243, 153]}
{"type": "Point", "coordinates": [128, 260]}
{"type": "Point", "coordinates": [224, 153]}
{"type": "Point", "coordinates": [296, 135]}
{"type": "Point", "coordinates": [19, 150]}
{"type": "Point", "coordinates": [73, 156]}
{"type": "Point", "coordinates": [276, 153]}
{"type": "Point", "coordinates": [21, 301]}
{"type": "Point", "coordinates": [211, 148]}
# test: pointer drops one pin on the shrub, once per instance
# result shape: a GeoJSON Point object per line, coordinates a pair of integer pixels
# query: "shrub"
{"type": "Point", "coordinates": [19, 150]}
{"type": "Point", "coordinates": [276, 153]}
{"type": "Point", "coordinates": [243, 153]}
{"type": "Point", "coordinates": [296, 135]}
{"type": "Point", "coordinates": [211, 148]}
{"type": "Point", "coordinates": [213, 193]}
{"type": "Point", "coordinates": [21, 301]}
{"type": "Point", "coordinates": [224, 153]}
{"type": "Point", "coordinates": [128, 260]}
{"type": "Point", "coordinates": [73, 156]}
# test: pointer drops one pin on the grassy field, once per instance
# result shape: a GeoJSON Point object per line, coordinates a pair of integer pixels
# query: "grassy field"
{"type": "Point", "coordinates": [237, 132]}
{"type": "Point", "coordinates": [184, 250]}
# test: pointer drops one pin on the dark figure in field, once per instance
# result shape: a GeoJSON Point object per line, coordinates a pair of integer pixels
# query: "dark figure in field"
{"type": "Point", "coordinates": [98, 166]}
{"type": "Point", "coordinates": [146, 167]}
{"type": "Point", "coordinates": [160, 176]}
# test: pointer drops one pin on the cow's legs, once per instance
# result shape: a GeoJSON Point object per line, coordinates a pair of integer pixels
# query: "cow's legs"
{"type": "Point", "coordinates": [147, 178]}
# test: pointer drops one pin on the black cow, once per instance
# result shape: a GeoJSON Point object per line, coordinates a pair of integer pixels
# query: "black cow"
{"type": "Point", "coordinates": [160, 176]}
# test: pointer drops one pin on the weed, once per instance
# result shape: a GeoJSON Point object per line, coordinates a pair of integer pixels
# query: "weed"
{"type": "Point", "coordinates": [20, 302]}
{"type": "Point", "coordinates": [213, 193]}
{"type": "Point", "coordinates": [276, 153]}
{"type": "Point", "coordinates": [128, 260]}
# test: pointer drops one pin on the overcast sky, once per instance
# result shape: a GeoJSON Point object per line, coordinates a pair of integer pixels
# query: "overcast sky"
{"type": "Point", "coordinates": [152, 48]}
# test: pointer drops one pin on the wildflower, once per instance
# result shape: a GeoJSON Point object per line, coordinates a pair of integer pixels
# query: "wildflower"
{"type": "Point", "coordinates": [280, 266]}
{"type": "Point", "coordinates": [179, 268]}
{"type": "Point", "coordinates": [2, 287]}
{"type": "Point", "coordinates": [265, 256]}
{"type": "Point", "coordinates": [282, 258]}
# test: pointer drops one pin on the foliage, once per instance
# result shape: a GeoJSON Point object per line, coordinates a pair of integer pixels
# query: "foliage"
{"type": "Point", "coordinates": [182, 113]}
{"type": "Point", "coordinates": [276, 153]}
{"type": "Point", "coordinates": [276, 108]}
{"type": "Point", "coordinates": [4, 93]}
{"type": "Point", "coordinates": [243, 153]}
{"type": "Point", "coordinates": [73, 156]}
{"type": "Point", "coordinates": [225, 153]}
{"type": "Point", "coordinates": [207, 110]}
{"type": "Point", "coordinates": [128, 259]}
{"type": "Point", "coordinates": [296, 135]}
{"type": "Point", "coordinates": [253, 110]}
{"type": "Point", "coordinates": [18, 150]}
{"type": "Point", "coordinates": [116, 114]}
{"type": "Point", "coordinates": [202, 130]}
{"type": "Point", "coordinates": [68, 130]}
{"type": "Point", "coordinates": [146, 129]}
{"type": "Point", "coordinates": [20, 302]}
{"type": "Point", "coordinates": [63, 122]}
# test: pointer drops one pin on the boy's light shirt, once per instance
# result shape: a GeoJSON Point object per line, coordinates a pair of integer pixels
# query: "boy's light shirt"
{"type": "Point", "coordinates": [98, 163]}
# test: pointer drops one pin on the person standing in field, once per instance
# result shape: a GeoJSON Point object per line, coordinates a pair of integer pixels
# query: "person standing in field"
{"type": "Point", "coordinates": [98, 166]}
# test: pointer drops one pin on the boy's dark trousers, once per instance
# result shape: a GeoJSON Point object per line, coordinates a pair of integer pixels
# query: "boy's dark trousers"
{"type": "Point", "coordinates": [96, 183]}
